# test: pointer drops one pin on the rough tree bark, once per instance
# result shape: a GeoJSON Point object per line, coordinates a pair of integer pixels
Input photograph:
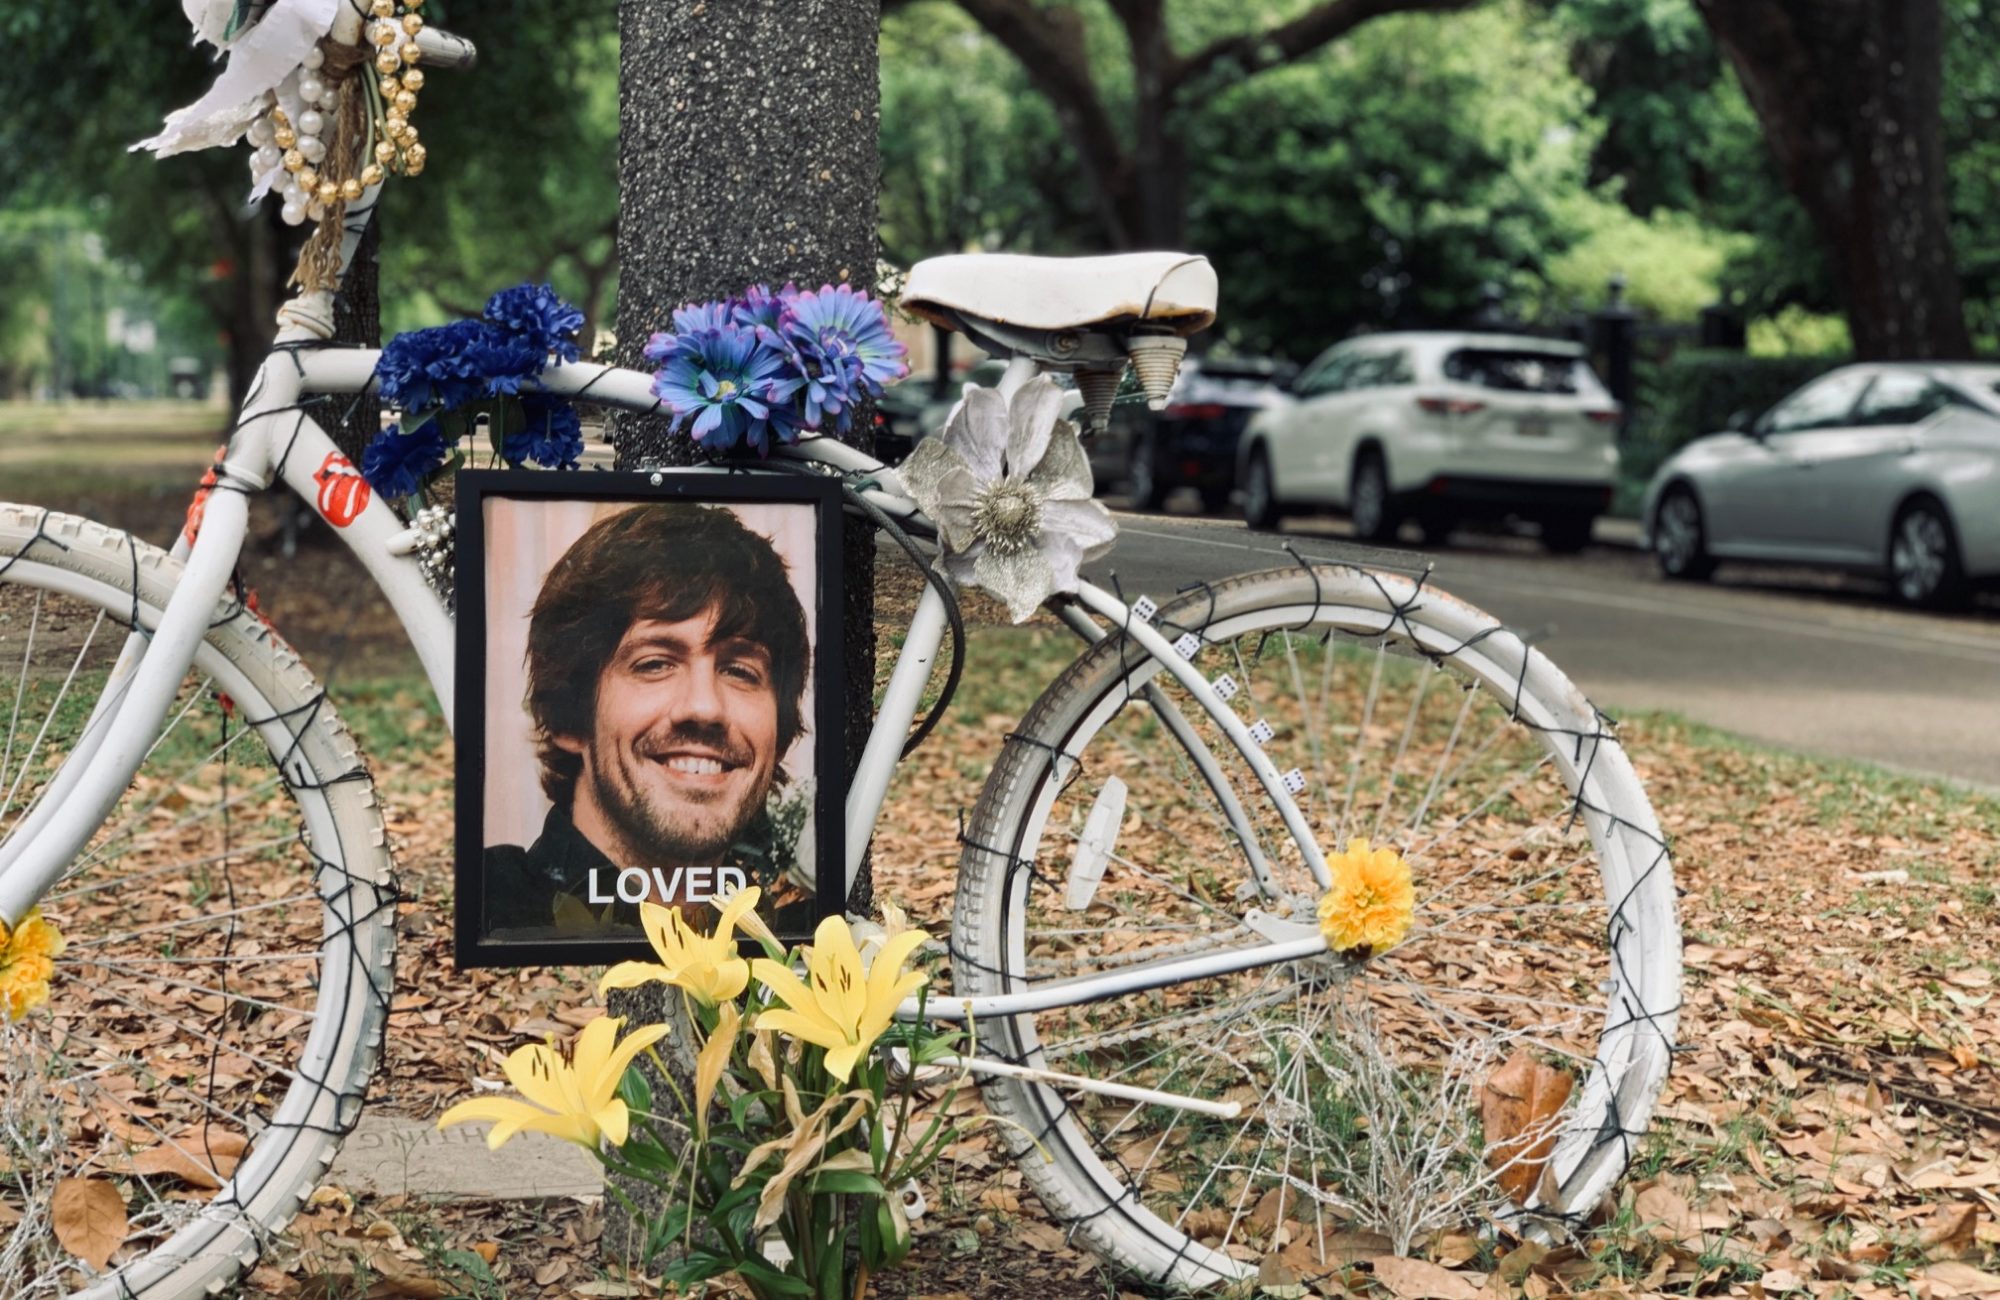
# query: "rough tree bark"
{"type": "Point", "coordinates": [357, 319]}
{"type": "Point", "coordinates": [1847, 95]}
{"type": "Point", "coordinates": [747, 153]}
{"type": "Point", "coordinates": [1136, 169]}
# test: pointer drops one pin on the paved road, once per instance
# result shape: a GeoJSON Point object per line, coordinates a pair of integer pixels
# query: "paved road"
{"type": "Point", "coordinates": [1811, 662]}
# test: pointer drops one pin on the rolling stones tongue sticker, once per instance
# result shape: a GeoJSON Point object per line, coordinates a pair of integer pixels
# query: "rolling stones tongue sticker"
{"type": "Point", "coordinates": [343, 493]}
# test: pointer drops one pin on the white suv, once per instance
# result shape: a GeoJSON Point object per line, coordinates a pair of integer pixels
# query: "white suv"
{"type": "Point", "coordinates": [1439, 427]}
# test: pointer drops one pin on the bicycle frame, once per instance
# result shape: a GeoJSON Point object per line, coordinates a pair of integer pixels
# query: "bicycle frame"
{"type": "Point", "coordinates": [276, 439]}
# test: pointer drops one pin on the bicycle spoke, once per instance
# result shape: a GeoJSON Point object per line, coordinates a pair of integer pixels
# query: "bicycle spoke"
{"type": "Point", "coordinates": [227, 995]}
{"type": "Point", "coordinates": [34, 746]}
{"type": "Point", "coordinates": [184, 922]}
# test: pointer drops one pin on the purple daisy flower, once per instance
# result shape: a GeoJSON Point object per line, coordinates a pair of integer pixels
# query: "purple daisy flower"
{"type": "Point", "coordinates": [726, 381]}
{"type": "Point", "coordinates": [760, 306]}
{"type": "Point", "coordinates": [696, 317]}
{"type": "Point", "coordinates": [825, 386]}
{"type": "Point", "coordinates": [842, 325]}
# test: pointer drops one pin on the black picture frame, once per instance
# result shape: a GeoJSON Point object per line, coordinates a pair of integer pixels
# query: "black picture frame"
{"type": "Point", "coordinates": [484, 496]}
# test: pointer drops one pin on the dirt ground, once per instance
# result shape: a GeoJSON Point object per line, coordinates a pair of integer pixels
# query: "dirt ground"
{"type": "Point", "coordinates": [1831, 1128]}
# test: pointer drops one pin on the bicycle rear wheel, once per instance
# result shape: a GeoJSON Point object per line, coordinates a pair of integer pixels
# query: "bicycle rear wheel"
{"type": "Point", "coordinates": [1545, 938]}
{"type": "Point", "coordinates": [213, 1022]}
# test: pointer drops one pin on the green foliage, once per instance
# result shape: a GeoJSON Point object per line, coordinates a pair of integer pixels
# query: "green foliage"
{"type": "Point", "coordinates": [971, 157]}
{"type": "Point", "coordinates": [1793, 332]}
{"type": "Point", "coordinates": [477, 218]}
{"type": "Point", "coordinates": [523, 175]}
{"type": "Point", "coordinates": [1382, 182]}
{"type": "Point", "coordinates": [1672, 263]}
{"type": "Point", "coordinates": [1655, 78]}
{"type": "Point", "coordinates": [1695, 393]}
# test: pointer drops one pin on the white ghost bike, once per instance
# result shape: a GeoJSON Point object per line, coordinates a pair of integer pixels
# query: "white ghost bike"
{"type": "Point", "coordinates": [1183, 1061]}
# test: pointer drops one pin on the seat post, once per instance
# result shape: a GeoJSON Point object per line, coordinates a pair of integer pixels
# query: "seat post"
{"type": "Point", "coordinates": [1019, 371]}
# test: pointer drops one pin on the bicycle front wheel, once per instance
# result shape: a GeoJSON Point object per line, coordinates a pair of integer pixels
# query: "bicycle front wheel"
{"type": "Point", "coordinates": [212, 1022]}
{"type": "Point", "coordinates": [1503, 1059]}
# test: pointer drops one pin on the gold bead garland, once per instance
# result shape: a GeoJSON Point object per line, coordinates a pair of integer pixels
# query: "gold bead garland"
{"type": "Point", "coordinates": [393, 32]}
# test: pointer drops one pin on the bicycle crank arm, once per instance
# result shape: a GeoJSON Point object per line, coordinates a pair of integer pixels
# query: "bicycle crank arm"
{"type": "Point", "coordinates": [1077, 1083]}
{"type": "Point", "coordinates": [938, 1072]}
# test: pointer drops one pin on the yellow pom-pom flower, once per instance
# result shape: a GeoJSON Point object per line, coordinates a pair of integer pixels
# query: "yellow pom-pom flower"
{"type": "Point", "coordinates": [1371, 902]}
{"type": "Point", "coordinates": [27, 963]}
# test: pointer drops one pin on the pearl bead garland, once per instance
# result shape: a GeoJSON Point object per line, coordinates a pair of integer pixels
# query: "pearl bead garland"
{"type": "Point", "coordinates": [291, 152]}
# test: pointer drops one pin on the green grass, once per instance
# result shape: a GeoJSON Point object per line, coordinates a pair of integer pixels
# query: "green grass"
{"type": "Point", "coordinates": [149, 422]}
{"type": "Point", "coordinates": [1862, 796]}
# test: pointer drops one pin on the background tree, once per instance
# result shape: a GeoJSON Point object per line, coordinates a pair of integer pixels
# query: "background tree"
{"type": "Point", "coordinates": [1849, 100]}
{"type": "Point", "coordinates": [1383, 183]}
{"type": "Point", "coordinates": [1127, 123]}
{"type": "Point", "coordinates": [971, 156]}
{"type": "Point", "coordinates": [118, 68]}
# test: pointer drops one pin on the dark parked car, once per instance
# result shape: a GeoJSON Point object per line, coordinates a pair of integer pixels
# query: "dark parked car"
{"type": "Point", "coordinates": [1192, 441]}
{"type": "Point", "coordinates": [899, 419]}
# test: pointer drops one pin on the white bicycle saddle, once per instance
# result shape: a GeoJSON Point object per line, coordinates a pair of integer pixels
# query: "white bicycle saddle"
{"type": "Point", "coordinates": [1174, 290]}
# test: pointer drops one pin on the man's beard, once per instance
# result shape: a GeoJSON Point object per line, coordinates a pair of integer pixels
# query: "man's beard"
{"type": "Point", "coordinates": [660, 833]}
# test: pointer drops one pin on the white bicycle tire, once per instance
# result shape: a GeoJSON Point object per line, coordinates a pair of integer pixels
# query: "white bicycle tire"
{"type": "Point", "coordinates": [1082, 1191]}
{"type": "Point", "coordinates": [336, 801]}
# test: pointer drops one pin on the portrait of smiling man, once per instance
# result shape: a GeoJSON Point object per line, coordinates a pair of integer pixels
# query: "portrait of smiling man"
{"type": "Point", "coordinates": [666, 666]}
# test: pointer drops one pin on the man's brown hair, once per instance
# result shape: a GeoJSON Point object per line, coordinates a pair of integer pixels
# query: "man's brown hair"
{"type": "Point", "coordinates": [670, 562]}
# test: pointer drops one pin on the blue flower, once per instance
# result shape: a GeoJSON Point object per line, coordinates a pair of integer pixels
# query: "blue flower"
{"type": "Point", "coordinates": [539, 318]}
{"type": "Point", "coordinates": [450, 365]}
{"type": "Point", "coordinates": [727, 382]}
{"type": "Point", "coordinates": [689, 319]}
{"type": "Point", "coordinates": [826, 386]}
{"type": "Point", "coordinates": [841, 326]}
{"type": "Point", "coordinates": [503, 359]}
{"type": "Point", "coordinates": [553, 438]}
{"type": "Point", "coordinates": [759, 306]}
{"type": "Point", "coordinates": [697, 317]}
{"type": "Point", "coordinates": [396, 462]}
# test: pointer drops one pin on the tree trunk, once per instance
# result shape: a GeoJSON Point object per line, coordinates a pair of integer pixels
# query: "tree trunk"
{"type": "Point", "coordinates": [747, 153]}
{"type": "Point", "coordinates": [1153, 183]}
{"type": "Point", "coordinates": [1848, 99]}
{"type": "Point", "coordinates": [245, 308]}
{"type": "Point", "coordinates": [357, 320]}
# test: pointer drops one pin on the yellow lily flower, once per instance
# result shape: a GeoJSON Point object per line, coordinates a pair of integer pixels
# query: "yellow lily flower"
{"type": "Point", "coordinates": [713, 1059]}
{"type": "Point", "coordinates": [842, 1005]}
{"type": "Point", "coordinates": [706, 965]}
{"type": "Point", "coordinates": [570, 1095]}
{"type": "Point", "coordinates": [27, 963]}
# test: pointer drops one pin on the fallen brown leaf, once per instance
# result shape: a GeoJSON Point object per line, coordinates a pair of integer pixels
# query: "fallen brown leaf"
{"type": "Point", "coordinates": [89, 1219]}
{"type": "Point", "coordinates": [1416, 1279]}
{"type": "Point", "coordinates": [1952, 1278]}
{"type": "Point", "coordinates": [1518, 1107]}
{"type": "Point", "coordinates": [199, 1157]}
{"type": "Point", "coordinates": [1952, 1232]}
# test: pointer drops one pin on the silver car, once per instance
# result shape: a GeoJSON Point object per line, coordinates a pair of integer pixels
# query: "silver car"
{"type": "Point", "coordinates": [1892, 469]}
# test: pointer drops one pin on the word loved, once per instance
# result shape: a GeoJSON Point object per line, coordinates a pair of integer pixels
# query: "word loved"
{"type": "Point", "coordinates": [681, 885]}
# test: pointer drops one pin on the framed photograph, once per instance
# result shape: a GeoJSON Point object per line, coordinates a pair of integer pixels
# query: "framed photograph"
{"type": "Point", "coordinates": [649, 695]}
